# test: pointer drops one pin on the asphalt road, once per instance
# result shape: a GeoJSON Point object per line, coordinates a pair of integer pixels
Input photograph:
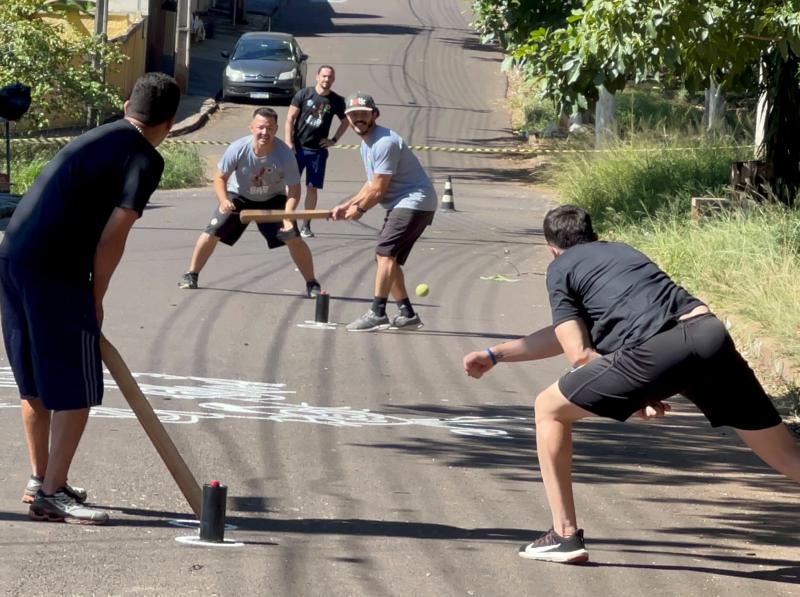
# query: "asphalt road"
{"type": "Point", "coordinates": [369, 464]}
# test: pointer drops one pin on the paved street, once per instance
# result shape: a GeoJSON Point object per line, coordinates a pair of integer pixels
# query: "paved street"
{"type": "Point", "coordinates": [369, 464]}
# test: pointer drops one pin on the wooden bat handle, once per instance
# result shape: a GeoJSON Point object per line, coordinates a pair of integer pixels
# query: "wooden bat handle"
{"type": "Point", "coordinates": [152, 426]}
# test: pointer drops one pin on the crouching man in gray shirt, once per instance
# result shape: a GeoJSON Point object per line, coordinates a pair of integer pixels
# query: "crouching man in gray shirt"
{"type": "Point", "coordinates": [258, 171]}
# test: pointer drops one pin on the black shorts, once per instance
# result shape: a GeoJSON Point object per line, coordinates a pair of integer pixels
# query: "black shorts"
{"type": "Point", "coordinates": [229, 228]}
{"type": "Point", "coordinates": [401, 229]}
{"type": "Point", "coordinates": [51, 337]}
{"type": "Point", "coordinates": [695, 358]}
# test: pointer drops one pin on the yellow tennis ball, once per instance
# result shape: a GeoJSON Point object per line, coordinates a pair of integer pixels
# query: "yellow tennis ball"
{"type": "Point", "coordinates": [422, 290]}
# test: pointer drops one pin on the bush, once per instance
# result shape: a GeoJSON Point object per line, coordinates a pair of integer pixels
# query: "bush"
{"type": "Point", "coordinates": [183, 167]}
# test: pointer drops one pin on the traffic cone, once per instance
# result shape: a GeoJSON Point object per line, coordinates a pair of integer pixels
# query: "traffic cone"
{"type": "Point", "coordinates": [447, 198]}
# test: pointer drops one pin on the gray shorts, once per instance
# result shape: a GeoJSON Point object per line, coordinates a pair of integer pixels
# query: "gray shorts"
{"type": "Point", "coordinates": [229, 227]}
{"type": "Point", "coordinates": [401, 229]}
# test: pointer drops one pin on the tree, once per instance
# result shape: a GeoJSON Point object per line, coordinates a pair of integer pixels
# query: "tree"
{"type": "Point", "coordinates": [607, 43]}
{"type": "Point", "coordinates": [41, 48]}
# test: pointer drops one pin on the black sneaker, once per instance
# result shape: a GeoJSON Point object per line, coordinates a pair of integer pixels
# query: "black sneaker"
{"type": "Point", "coordinates": [313, 289]}
{"type": "Point", "coordinates": [305, 232]}
{"type": "Point", "coordinates": [189, 280]}
{"type": "Point", "coordinates": [552, 547]}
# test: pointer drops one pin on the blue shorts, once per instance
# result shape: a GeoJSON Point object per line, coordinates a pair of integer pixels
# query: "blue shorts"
{"type": "Point", "coordinates": [51, 336]}
{"type": "Point", "coordinates": [313, 162]}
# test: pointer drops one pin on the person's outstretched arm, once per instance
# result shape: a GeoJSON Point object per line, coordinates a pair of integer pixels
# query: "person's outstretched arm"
{"type": "Point", "coordinates": [541, 344]}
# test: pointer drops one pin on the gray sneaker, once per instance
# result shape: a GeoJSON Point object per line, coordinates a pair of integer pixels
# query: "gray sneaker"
{"type": "Point", "coordinates": [405, 322]}
{"type": "Point", "coordinates": [60, 507]}
{"type": "Point", "coordinates": [35, 484]}
{"type": "Point", "coordinates": [189, 280]}
{"type": "Point", "coordinates": [305, 232]}
{"type": "Point", "coordinates": [369, 322]}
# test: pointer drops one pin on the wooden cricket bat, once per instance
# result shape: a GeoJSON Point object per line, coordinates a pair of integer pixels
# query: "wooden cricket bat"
{"type": "Point", "coordinates": [277, 215]}
{"type": "Point", "coordinates": [152, 426]}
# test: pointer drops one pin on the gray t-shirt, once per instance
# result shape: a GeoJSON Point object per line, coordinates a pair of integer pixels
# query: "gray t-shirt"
{"type": "Point", "coordinates": [384, 152]}
{"type": "Point", "coordinates": [259, 178]}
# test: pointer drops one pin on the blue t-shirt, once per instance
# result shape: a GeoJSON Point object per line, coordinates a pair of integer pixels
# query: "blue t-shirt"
{"type": "Point", "coordinates": [259, 178]}
{"type": "Point", "coordinates": [384, 152]}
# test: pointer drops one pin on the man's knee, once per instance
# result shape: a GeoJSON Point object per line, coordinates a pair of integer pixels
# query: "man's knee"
{"type": "Point", "coordinates": [552, 405]}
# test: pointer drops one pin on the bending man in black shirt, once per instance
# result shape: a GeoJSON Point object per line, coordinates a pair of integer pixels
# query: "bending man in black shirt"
{"type": "Point", "coordinates": [308, 124]}
{"type": "Point", "coordinates": [60, 249]}
{"type": "Point", "coordinates": [634, 338]}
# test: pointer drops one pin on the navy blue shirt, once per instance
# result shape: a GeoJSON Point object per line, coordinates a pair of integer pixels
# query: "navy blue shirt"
{"type": "Point", "coordinates": [621, 296]}
{"type": "Point", "coordinates": [57, 224]}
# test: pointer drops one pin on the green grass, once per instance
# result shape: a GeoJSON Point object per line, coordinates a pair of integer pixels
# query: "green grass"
{"type": "Point", "coordinates": [183, 167]}
{"type": "Point", "coordinates": [746, 265]}
{"type": "Point", "coordinates": [640, 180]}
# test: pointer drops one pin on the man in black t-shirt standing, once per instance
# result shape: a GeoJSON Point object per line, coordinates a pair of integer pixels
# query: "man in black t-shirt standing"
{"type": "Point", "coordinates": [634, 338]}
{"type": "Point", "coordinates": [307, 127]}
{"type": "Point", "coordinates": [57, 257]}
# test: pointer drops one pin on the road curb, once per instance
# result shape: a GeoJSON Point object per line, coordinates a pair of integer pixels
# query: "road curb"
{"type": "Point", "coordinates": [195, 121]}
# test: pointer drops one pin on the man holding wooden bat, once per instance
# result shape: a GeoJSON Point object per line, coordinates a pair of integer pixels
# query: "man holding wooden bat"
{"type": "Point", "coordinates": [397, 181]}
{"type": "Point", "coordinates": [257, 171]}
{"type": "Point", "coordinates": [59, 252]}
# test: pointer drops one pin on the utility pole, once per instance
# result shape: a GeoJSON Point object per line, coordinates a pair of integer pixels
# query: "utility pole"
{"type": "Point", "coordinates": [100, 30]}
{"type": "Point", "coordinates": [183, 44]}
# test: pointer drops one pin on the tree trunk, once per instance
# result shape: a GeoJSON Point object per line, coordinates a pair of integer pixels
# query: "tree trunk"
{"type": "Point", "coordinates": [762, 109]}
{"type": "Point", "coordinates": [605, 119]}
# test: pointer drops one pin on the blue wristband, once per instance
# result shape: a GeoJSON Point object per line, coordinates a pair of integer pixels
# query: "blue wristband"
{"type": "Point", "coordinates": [492, 356]}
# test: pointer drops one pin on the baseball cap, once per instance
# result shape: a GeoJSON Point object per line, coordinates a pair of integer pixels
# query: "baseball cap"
{"type": "Point", "coordinates": [359, 101]}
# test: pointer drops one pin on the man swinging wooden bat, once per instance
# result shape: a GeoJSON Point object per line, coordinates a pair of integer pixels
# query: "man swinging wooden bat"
{"type": "Point", "coordinates": [257, 171]}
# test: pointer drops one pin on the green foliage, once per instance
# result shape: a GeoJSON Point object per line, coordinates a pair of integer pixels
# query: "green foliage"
{"type": "Point", "coordinates": [639, 181]}
{"type": "Point", "coordinates": [509, 22]}
{"type": "Point", "coordinates": [649, 109]}
{"type": "Point", "coordinates": [611, 42]}
{"type": "Point", "coordinates": [183, 167]}
{"type": "Point", "coordinates": [746, 265]}
{"type": "Point", "coordinates": [54, 59]}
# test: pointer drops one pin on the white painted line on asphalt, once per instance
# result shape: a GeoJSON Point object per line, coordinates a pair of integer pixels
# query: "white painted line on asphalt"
{"type": "Point", "coordinates": [234, 399]}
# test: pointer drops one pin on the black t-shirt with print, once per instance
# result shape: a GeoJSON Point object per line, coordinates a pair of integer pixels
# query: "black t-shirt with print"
{"type": "Point", "coordinates": [621, 296]}
{"type": "Point", "coordinates": [57, 224]}
{"type": "Point", "coordinates": [313, 124]}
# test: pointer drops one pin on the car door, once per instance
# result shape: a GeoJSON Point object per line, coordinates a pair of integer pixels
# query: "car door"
{"type": "Point", "coordinates": [302, 65]}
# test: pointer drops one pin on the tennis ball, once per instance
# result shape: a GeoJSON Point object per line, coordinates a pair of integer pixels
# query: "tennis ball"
{"type": "Point", "coordinates": [422, 290]}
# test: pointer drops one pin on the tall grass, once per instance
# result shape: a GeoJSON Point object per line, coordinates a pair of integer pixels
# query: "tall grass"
{"type": "Point", "coordinates": [183, 167]}
{"type": "Point", "coordinates": [639, 180]}
{"type": "Point", "coordinates": [746, 265]}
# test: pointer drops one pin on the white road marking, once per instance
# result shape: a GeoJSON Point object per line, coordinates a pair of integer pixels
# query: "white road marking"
{"type": "Point", "coordinates": [219, 399]}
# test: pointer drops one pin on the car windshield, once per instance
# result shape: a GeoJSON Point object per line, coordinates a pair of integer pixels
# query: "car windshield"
{"type": "Point", "coordinates": [263, 49]}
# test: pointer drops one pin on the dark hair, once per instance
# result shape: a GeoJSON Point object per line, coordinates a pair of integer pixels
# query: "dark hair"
{"type": "Point", "coordinates": [266, 113]}
{"type": "Point", "coordinates": [568, 225]}
{"type": "Point", "coordinates": [154, 99]}
{"type": "Point", "coordinates": [333, 70]}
